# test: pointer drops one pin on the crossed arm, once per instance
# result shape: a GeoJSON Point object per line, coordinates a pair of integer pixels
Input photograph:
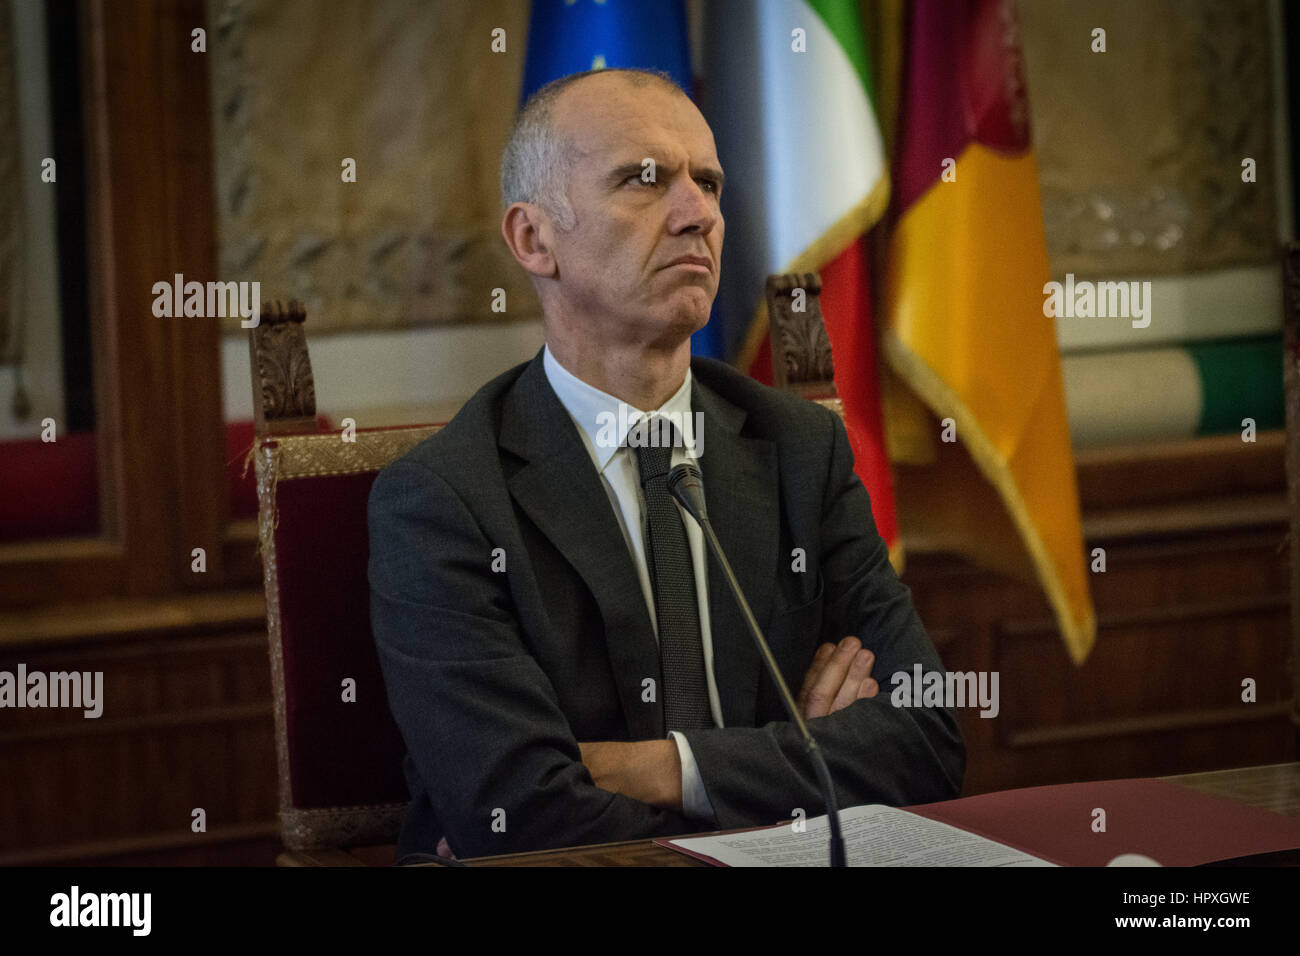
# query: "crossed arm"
{"type": "Point", "coordinates": [651, 770]}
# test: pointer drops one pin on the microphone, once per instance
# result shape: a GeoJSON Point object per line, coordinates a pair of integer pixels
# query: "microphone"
{"type": "Point", "coordinates": [686, 484]}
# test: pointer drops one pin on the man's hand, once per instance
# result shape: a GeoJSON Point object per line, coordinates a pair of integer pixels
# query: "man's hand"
{"type": "Point", "coordinates": [645, 770]}
{"type": "Point", "coordinates": [839, 675]}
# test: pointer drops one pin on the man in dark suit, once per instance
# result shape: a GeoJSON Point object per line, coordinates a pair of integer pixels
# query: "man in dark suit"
{"type": "Point", "coordinates": [563, 657]}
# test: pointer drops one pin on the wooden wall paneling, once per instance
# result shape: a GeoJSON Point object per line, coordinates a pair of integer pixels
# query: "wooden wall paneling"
{"type": "Point", "coordinates": [242, 562]}
{"type": "Point", "coordinates": [150, 216]}
{"type": "Point", "coordinates": [1182, 617]}
{"type": "Point", "coordinates": [187, 182]}
{"type": "Point", "coordinates": [186, 723]}
{"type": "Point", "coordinates": [128, 254]}
{"type": "Point", "coordinates": [1192, 469]}
{"type": "Point", "coordinates": [41, 572]}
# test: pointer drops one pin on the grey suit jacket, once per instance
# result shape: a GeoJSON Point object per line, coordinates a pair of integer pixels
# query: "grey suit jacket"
{"type": "Point", "coordinates": [510, 623]}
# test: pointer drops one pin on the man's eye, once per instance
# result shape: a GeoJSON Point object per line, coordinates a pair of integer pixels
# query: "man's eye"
{"type": "Point", "coordinates": [713, 187]}
{"type": "Point", "coordinates": [636, 178]}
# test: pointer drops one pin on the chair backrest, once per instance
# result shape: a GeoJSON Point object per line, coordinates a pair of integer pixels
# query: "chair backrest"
{"type": "Point", "coordinates": [339, 752]}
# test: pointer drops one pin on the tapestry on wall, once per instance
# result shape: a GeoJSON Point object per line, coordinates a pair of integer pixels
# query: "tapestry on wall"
{"type": "Point", "coordinates": [402, 89]}
{"type": "Point", "coordinates": [1142, 131]}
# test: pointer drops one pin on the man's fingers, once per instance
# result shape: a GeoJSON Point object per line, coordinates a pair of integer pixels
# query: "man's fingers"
{"type": "Point", "coordinates": [859, 671]}
{"type": "Point", "coordinates": [814, 671]}
{"type": "Point", "coordinates": [869, 688]}
{"type": "Point", "coordinates": [823, 693]}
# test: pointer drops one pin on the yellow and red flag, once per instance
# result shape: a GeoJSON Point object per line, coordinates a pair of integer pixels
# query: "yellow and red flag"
{"type": "Point", "coordinates": [965, 325]}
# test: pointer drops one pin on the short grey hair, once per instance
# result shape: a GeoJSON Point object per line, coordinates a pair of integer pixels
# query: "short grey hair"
{"type": "Point", "coordinates": [538, 160]}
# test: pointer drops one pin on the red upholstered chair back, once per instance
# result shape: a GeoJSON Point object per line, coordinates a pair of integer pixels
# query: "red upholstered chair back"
{"type": "Point", "coordinates": [338, 749]}
{"type": "Point", "coordinates": [339, 753]}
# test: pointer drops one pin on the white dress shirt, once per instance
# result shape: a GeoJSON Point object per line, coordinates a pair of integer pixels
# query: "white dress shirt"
{"type": "Point", "coordinates": [591, 411]}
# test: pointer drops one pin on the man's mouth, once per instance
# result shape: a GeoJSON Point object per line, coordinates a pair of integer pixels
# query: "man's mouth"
{"type": "Point", "coordinates": [693, 263]}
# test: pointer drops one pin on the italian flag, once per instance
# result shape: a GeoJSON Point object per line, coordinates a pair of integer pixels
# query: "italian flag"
{"type": "Point", "coordinates": [790, 100]}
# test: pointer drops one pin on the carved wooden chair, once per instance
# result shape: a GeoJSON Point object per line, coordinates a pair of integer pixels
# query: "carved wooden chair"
{"type": "Point", "coordinates": [339, 752]}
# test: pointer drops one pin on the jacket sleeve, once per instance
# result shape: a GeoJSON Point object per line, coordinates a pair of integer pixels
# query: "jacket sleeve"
{"type": "Point", "coordinates": [478, 714]}
{"type": "Point", "coordinates": [876, 752]}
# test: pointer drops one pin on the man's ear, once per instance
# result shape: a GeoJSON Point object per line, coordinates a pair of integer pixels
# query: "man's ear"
{"type": "Point", "coordinates": [528, 233]}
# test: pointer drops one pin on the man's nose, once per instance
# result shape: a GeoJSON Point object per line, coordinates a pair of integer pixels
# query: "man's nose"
{"type": "Point", "coordinates": [693, 208]}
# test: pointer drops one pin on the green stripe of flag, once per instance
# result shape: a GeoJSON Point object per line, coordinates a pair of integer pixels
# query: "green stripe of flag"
{"type": "Point", "coordinates": [844, 20]}
{"type": "Point", "coordinates": [1240, 378]}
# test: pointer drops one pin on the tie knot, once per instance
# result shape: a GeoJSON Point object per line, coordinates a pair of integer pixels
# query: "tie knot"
{"type": "Point", "coordinates": [654, 439]}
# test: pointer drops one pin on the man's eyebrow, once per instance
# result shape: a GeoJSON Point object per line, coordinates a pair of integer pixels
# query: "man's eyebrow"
{"type": "Point", "coordinates": [717, 175]}
{"type": "Point", "coordinates": [624, 170]}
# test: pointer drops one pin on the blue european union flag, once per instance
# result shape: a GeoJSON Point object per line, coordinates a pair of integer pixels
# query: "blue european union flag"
{"type": "Point", "coordinates": [572, 36]}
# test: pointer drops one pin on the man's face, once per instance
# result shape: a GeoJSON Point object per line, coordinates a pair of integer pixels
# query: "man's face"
{"type": "Point", "coordinates": [614, 277]}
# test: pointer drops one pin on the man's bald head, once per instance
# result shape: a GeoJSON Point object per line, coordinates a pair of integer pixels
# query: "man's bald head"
{"type": "Point", "coordinates": [539, 157]}
{"type": "Point", "coordinates": [613, 187]}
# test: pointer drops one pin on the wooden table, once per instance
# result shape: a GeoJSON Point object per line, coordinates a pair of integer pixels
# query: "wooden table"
{"type": "Point", "coordinates": [1275, 787]}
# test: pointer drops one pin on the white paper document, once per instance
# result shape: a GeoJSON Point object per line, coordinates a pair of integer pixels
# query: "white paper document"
{"type": "Point", "coordinates": [873, 836]}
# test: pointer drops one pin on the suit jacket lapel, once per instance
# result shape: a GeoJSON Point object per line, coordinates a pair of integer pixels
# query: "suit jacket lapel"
{"type": "Point", "coordinates": [563, 494]}
{"type": "Point", "coordinates": [557, 488]}
{"type": "Point", "coordinates": [742, 494]}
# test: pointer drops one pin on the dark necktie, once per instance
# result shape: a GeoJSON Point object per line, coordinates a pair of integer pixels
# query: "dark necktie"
{"type": "Point", "coordinates": [681, 651]}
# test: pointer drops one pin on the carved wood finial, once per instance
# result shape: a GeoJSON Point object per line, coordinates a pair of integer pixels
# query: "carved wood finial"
{"type": "Point", "coordinates": [801, 349]}
{"type": "Point", "coordinates": [284, 391]}
{"type": "Point", "coordinates": [275, 312]}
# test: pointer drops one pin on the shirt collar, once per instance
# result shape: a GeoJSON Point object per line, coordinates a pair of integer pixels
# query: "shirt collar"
{"type": "Point", "coordinates": [603, 420]}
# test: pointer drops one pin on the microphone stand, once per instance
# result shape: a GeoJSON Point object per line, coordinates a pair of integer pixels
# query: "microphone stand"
{"type": "Point", "coordinates": [686, 485]}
